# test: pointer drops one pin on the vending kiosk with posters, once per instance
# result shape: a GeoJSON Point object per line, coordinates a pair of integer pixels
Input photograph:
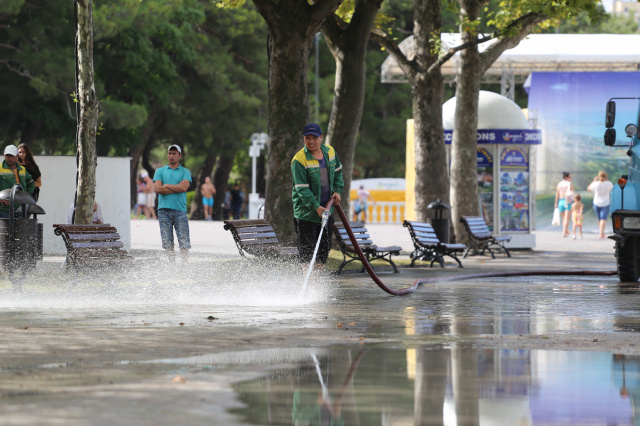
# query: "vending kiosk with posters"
{"type": "Point", "coordinates": [505, 157]}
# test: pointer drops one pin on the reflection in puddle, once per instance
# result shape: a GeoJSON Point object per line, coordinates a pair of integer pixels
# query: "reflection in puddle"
{"type": "Point", "coordinates": [438, 384]}
{"type": "Point", "coordinates": [446, 385]}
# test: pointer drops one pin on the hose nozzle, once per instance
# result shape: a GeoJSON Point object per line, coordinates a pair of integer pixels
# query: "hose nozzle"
{"type": "Point", "coordinates": [325, 217]}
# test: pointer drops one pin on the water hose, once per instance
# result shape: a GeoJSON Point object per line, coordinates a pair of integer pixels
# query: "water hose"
{"type": "Point", "coordinates": [418, 282]}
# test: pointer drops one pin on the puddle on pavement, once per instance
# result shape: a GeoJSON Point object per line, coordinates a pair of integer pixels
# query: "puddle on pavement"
{"type": "Point", "coordinates": [447, 385]}
{"type": "Point", "coordinates": [377, 385]}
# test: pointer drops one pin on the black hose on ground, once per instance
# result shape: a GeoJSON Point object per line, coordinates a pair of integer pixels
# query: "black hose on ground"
{"type": "Point", "coordinates": [418, 282]}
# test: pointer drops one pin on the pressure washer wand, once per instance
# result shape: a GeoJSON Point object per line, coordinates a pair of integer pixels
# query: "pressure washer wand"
{"type": "Point", "coordinates": [325, 219]}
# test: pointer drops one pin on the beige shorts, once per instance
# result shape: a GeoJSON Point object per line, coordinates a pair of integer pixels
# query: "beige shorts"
{"type": "Point", "coordinates": [151, 199]}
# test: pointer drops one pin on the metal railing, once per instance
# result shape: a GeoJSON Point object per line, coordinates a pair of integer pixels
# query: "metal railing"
{"type": "Point", "coordinates": [382, 212]}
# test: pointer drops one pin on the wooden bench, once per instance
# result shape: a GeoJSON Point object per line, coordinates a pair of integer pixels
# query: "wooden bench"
{"type": "Point", "coordinates": [427, 246]}
{"type": "Point", "coordinates": [257, 238]}
{"type": "Point", "coordinates": [92, 246]}
{"type": "Point", "coordinates": [481, 238]}
{"type": "Point", "coordinates": [371, 251]}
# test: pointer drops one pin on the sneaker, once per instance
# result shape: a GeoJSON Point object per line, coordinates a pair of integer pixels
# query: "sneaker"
{"type": "Point", "coordinates": [574, 237]}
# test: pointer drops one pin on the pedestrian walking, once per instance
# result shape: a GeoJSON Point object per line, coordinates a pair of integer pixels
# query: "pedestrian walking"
{"type": "Point", "coordinates": [601, 188]}
{"type": "Point", "coordinates": [577, 209]}
{"type": "Point", "coordinates": [562, 203]}
{"type": "Point", "coordinates": [208, 191]}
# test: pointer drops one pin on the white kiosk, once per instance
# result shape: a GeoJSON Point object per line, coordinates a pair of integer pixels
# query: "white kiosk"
{"type": "Point", "coordinates": [506, 157]}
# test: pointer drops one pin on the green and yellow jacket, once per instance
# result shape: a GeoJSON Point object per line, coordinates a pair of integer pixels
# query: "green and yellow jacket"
{"type": "Point", "coordinates": [8, 179]}
{"type": "Point", "coordinates": [306, 181]}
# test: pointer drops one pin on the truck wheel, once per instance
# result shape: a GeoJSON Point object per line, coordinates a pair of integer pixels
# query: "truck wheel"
{"type": "Point", "coordinates": [627, 257]}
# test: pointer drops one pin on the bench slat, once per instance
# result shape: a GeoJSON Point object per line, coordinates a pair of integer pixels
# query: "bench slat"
{"type": "Point", "coordinates": [261, 241]}
{"type": "Point", "coordinates": [358, 237]}
{"type": "Point", "coordinates": [97, 237]}
{"type": "Point", "coordinates": [251, 229]}
{"type": "Point", "coordinates": [97, 244]}
{"type": "Point", "coordinates": [354, 230]}
{"type": "Point", "coordinates": [100, 256]}
{"type": "Point", "coordinates": [254, 235]}
{"type": "Point", "coordinates": [360, 243]}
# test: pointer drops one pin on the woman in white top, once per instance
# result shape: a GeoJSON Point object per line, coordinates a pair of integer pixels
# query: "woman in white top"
{"type": "Point", "coordinates": [601, 188]}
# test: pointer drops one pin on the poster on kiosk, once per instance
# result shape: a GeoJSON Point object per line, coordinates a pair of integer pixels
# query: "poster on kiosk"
{"type": "Point", "coordinates": [505, 196]}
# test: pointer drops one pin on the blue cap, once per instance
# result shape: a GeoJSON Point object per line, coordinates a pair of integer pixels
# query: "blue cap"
{"type": "Point", "coordinates": [312, 129]}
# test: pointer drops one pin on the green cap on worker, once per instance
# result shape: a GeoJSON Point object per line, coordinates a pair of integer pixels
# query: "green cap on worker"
{"type": "Point", "coordinates": [11, 150]}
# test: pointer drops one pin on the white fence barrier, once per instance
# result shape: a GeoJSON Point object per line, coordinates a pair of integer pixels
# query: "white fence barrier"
{"type": "Point", "coordinates": [382, 212]}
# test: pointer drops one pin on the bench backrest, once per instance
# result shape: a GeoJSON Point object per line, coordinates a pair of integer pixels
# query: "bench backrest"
{"type": "Point", "coordinates": [359, 231]}
{"type": "Point", "coordinates": [422, 233]}
{"type": "Point", "coordinates": [95, 243]}
{"type": "Point", "coordinates": [252, 235]}
{"type": "Point", "coordinates": [476, 226]}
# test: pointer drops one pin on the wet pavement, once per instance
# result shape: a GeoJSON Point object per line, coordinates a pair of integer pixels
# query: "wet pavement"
{"type": "Point", "coordinates": [225, 341]}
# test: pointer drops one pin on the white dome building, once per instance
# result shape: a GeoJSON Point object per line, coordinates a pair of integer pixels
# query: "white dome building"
{"type": "Point", "coordinates": [494, 112]}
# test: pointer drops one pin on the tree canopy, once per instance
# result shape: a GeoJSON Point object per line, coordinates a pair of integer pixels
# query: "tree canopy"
{"type": "Point", "coordinates": [194, 73]}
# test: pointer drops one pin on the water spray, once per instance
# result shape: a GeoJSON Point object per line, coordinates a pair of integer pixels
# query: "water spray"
{"type": "Point", "coordinates": [325, 219]}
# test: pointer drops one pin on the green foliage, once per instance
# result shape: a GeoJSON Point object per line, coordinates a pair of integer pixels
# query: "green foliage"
{"type": "Point", "coordinates": [380, 150]}
{"type": "Point", "coordinates": [166, 71]}
{"type": "Point", "coordinates": [195, 72]}
{"type": "Point", "coordinates": [121, 115]}
{"type": "Point", "coordinates": [584, 23]}
{"type": "Point", "coordinates": [190, 195]}
{"type": "Point", "coordinates": [508, 11]}
{"type": "Point", "coordinates": [10, 7]}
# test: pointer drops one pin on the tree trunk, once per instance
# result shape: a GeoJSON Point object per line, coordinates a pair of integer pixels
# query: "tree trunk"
{"type": "Point", "coordinates": [348, 44]}
{"type": "Point", "coordinates": [88, 116]}
{"type": "Point", "coordinates": [133, 173]}
{"type": "Point", "coordinates": [288, 114]}
{"type": "Point", "coordinates": [220, 180]}
{"type": "Point", "coordinates": [427, 88]}
{"type": "Point", "coordinates": [196, 208]}
{"type": "Point", "coordinates": [464, 189]}
{"type": "Point", "coordinates": [464, 184]}
{"type": "Point", "coordinates": [432, 178]}
{"type": "Point", "coordinates": [292, 26]}
{"type": "Point", "coordinates": [149, 143]}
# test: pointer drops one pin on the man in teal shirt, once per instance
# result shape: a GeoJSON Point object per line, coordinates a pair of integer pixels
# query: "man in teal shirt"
{"type": "Point", "coordinates": [172, 182]}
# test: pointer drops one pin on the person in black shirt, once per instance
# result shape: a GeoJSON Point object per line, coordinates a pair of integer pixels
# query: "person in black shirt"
{"type": "Point", "coordinates": [237, 199]}
{"type": "Point", "coordinates": [25, 159]}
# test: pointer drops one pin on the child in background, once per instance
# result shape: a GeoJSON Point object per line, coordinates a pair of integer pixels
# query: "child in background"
{"type": "Point", "coordinates": [576, 214]}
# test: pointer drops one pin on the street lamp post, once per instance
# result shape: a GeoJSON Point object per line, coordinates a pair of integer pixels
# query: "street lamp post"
{"type": "Point", "coordinates": [258, 142]}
